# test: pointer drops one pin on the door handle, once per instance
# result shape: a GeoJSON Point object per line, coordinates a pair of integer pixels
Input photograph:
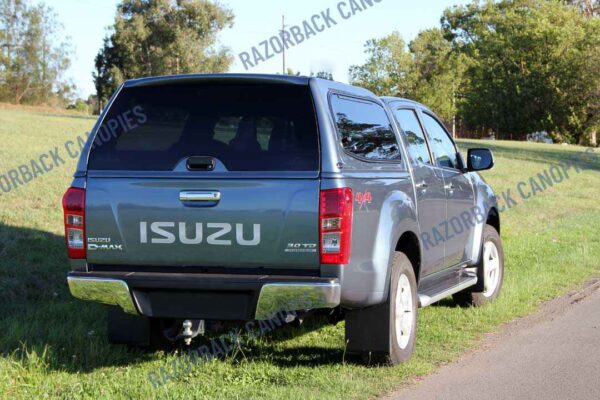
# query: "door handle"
{"type": "Point", "coordinates": [450, 188]}
{"type": "Point", "coordinates": [422, 185]}
{"type": "Point", "coordinates": [207, 196]}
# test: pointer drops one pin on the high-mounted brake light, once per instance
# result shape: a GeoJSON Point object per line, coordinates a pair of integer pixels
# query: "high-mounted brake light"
{"type": "Point", "coordinates": [74, 210]}
{"type": "Point", "coordinates": [335, 225]}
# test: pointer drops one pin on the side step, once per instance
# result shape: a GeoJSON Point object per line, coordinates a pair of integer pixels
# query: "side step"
{"type": "Point", "coordinates": [426, 299]}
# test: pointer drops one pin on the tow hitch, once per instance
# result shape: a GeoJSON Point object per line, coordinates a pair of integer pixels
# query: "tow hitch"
{"type": "Point", "coordinates": [191, 329]}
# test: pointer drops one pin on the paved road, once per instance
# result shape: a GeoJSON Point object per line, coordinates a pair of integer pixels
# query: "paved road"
{"type": "Point", "coordinates": [554, 354]}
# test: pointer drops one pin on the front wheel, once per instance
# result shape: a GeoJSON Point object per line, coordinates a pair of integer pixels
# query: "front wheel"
{"type": "Point", "coordinates": [490, 271]}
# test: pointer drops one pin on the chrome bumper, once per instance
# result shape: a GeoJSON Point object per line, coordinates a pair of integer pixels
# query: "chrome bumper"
{"type": "Point", "coordinates": [273, 297]}
{"type": "Point", "coordinates": [106, 291]}
{"type": "Point", "coordinates": [278, 297]}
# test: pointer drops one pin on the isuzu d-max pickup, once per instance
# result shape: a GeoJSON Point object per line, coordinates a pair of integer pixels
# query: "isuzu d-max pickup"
{"type": "Point", "coordinates": [205, 198]}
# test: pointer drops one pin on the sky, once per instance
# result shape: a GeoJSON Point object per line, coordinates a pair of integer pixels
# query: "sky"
{"type": "Point", "coordinates": [335, 49]}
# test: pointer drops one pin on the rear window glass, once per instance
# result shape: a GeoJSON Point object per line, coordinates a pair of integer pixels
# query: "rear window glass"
{"type": "Point", "coordinates": [246, 127]}
{"type": "Point", "coordinates": [365, 129]}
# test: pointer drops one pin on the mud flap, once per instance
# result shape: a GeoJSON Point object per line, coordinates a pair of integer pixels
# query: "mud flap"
{"type": "Point", "coordinates": [127, 329]}
{"type": "Point", "coordinates": [368, 331]}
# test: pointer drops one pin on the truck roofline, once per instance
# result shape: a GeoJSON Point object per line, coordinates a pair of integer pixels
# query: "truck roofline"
{"type": "Point", "coordinates": [248, 78]}
{"type": "Point", "coordinates": [220, 78]}
{"type": "Point", "coordinates": [405, 102]}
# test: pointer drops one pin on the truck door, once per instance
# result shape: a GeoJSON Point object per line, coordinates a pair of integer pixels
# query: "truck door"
{"type": "Point", "coordinates": [430, 193]}
{"type": "Point", "coordinates": [457, 228]}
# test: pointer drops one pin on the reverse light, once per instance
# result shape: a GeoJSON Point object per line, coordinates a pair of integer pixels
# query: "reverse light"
{"type": "Point", "coordinates": [335, 225]}
{"type": "Point", "coordinates": [74, 218]}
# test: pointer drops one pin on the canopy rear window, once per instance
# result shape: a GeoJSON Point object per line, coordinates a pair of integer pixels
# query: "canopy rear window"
{"type": "Point", "coordinates": [248, 127]}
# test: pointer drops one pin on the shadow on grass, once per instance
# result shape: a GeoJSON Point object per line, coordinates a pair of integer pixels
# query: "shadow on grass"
{"type": "Point", "coordinates": [269, 347]}
{"type": "Point", "coordinates": [41, 323]}
{"type": "Point", "coordinates": [33, 264]}
{"type": "Point", "coordinates": [450, 303]}
{"type": "Point", "coordinates": [304, 356]}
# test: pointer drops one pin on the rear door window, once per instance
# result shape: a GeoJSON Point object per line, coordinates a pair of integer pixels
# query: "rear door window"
{"type": "Point", "coordinates": [247, 127]}
{"type": "Point", "coordinates": [365, 129]}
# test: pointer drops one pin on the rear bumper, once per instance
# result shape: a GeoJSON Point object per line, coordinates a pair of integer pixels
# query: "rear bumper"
{"type": "Point", "coordinates": [205, 296]}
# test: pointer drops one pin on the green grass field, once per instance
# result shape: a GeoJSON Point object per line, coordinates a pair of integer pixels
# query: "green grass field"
{"type": "Point", "coordinates": [54, 346]}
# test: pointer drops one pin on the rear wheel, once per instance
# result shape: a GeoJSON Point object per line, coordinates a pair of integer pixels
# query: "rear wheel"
{"type": "Point", "coordinates": [490, 272]}
{"type": "Point", "coordinates": [386, 333]}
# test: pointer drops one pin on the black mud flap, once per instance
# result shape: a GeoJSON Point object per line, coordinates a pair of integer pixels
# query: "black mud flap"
{"type": "Point", "coordinates": [127, 329]}
{"type": "Point", "coordinates": [368, 332]}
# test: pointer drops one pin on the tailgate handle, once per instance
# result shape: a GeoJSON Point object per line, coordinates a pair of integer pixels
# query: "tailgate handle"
{"type": "Point", "coordinates": [210, 196]}
{"type": "Point", "coordinates": [201, 164]}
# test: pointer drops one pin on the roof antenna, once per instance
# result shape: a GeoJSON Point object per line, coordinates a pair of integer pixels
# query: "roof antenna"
{"type": "Point", "coordinates": [283, 33]}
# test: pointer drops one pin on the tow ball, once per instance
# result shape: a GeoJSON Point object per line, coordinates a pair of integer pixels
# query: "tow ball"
{"type": "Point", "coordinates": [190, 329]}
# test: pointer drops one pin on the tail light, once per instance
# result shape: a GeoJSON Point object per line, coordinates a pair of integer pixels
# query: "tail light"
{"type": "Point", "coordinates": [74, 208]}
{"type": "Point", "coordinates": [335, 225]}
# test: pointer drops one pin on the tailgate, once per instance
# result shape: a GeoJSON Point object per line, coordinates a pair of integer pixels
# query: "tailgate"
{"type": "Point", "coordinates": [269, 223]}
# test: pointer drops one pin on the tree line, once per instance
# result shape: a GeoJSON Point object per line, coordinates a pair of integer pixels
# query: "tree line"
{"type": "Point", "coordinates": [33, 58]}
{"type": "Point", "coordinates": [505, 67]}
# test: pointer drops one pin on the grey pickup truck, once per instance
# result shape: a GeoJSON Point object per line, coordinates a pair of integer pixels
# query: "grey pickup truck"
{"type": "Point", "coordinates": [222, 199]}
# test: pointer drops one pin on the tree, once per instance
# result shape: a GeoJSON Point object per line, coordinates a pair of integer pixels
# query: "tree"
{"type": "Point", "coordinates": [323, 75]}
{"type": "Point", "coordinates": [437, 73]}
{"type": "Point", "coordinates": [510, 66]}
{"type": "Point", "coordinates": [387, 69]}
{"type": "Point", "coordinates": [427, 71]}
{"type": "Point", "coordinates": [32, 61]}
{"type": "Point", "coordinates": [291, 72]}
{"type": "Point", "coordinates": [535, 67]}
{"type": "Point", "coordinates": [93, 105]}
{"type": "Point", "coordinates": [79, 105]}
{"type": "Point", "coordinates": [590, 8]}
{"type": "Point", "coordinates": [161, 37]}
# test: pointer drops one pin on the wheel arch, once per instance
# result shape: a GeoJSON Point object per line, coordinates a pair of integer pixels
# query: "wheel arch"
{"type": "Point", "coordinates": [409, 244]}
{"type": "Point", "coordinates": [486, 205]}
{"type": "Point", "coordinates": [493, 219]}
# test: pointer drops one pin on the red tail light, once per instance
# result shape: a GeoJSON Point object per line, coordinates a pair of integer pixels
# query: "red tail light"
{"type": "Point", "coordinates": [336, 225]}
{"type": "Point", "coordinates": [74, 208]}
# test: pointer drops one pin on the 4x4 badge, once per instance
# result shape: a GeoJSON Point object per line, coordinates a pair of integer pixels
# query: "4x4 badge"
{"type": "Point", "coordinates": [362, 198]}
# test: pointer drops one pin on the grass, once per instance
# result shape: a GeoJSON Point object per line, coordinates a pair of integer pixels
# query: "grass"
{"type": "Point", "coordinates": [54, 346]}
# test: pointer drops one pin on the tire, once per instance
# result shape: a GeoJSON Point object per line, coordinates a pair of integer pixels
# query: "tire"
{"type": "Point", "coordinates": [403, 312]}
{"type": "Point", "coordinates": [386, 333]}
{"type": "Point", "coordinates": [490, 272]}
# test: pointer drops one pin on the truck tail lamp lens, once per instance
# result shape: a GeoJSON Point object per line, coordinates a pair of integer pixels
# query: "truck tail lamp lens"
{"type": "Point", "coordinates": [74, 210]}
{"type": "Point", "coordinates": [336, 225]}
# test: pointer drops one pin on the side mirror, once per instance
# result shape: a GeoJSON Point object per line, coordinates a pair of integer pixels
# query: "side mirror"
{"type": "Point", "coordinates": [480, 160]}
